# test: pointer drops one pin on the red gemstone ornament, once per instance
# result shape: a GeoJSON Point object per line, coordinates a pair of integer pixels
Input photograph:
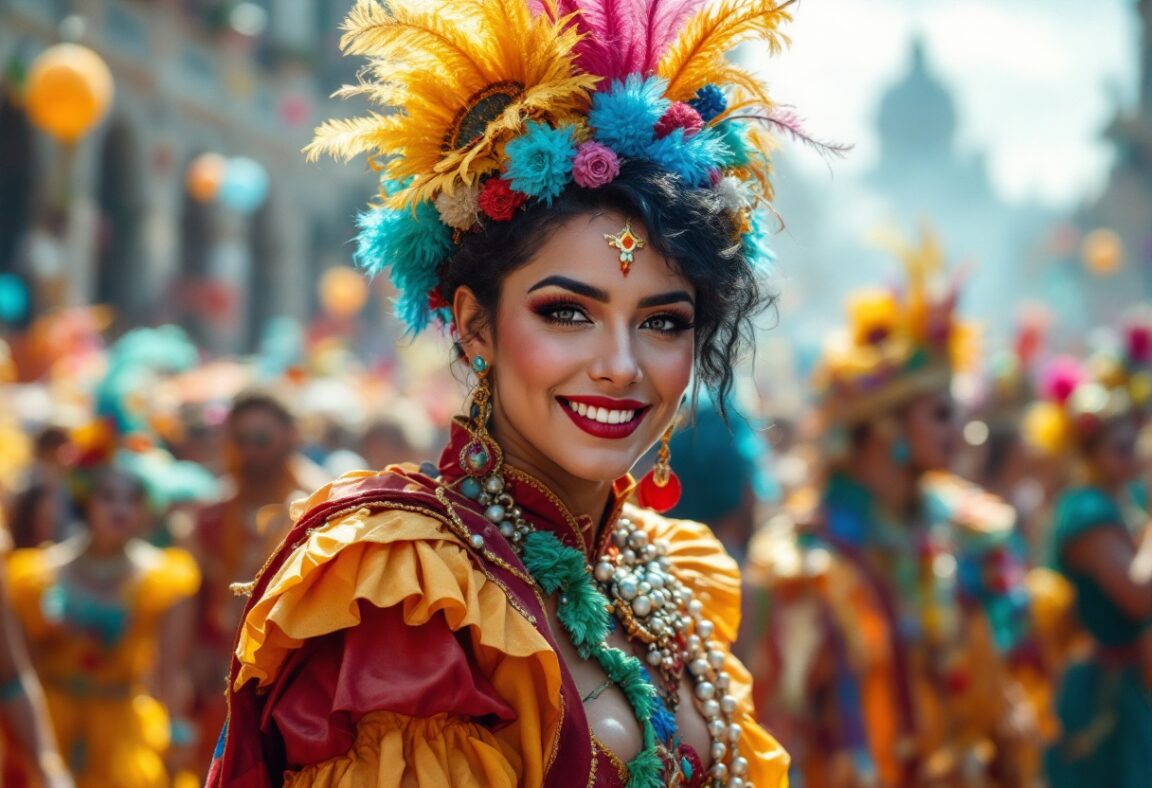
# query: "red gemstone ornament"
{"type": "Point", "coordinates": [659, 497]}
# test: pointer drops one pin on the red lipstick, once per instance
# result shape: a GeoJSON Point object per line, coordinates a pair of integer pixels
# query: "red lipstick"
{"type": "Point", "coordinates": [595, 415]}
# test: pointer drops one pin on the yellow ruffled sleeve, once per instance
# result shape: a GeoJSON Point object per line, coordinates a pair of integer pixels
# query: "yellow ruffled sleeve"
{"type": "Point", "coordinates": [172, 575]}
{"type": "Point", "coordinates": [701, 562]}
{"type": "Point", "coordinates": [413, 563]}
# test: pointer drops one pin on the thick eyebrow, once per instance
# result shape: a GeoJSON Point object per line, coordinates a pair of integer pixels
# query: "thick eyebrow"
{"type": "Point", "coordinates": [579, 288]}
{"type": "Point", "coordinates": [675, 297]}
{"type": "Point", "coordinates": [596, 294]}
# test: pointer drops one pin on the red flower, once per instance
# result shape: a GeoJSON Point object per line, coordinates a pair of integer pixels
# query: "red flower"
{"type": "Point", "coordinates": [436, 300]}
{"type": "Point", "coordinates": [499, 201]}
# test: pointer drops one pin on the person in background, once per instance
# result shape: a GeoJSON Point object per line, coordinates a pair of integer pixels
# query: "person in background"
{"type": "Point", "coordinates": [719, 464]}
{"type": "Point", "coordinates": [1100, 542]}
{"type": "Point", "coordinates": [26, 732]}
{"type": "Point", "coordinates": [883, 634]}
{"type": "Point", "coordinates": [233, 537]}
{"type": "Point", "coordinates": [39, 509]}
{"type": "Point", "coordinates": [107, 617]}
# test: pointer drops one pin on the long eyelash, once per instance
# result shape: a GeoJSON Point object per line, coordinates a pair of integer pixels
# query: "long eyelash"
{"type": "Point", "coordinates": [547, 309]}
{"type": "Point", "coordinates": [680, 323]}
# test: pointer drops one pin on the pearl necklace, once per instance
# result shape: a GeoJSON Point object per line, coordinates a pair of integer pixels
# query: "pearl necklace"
{"type": "Point", "coordinates": [656, 608]}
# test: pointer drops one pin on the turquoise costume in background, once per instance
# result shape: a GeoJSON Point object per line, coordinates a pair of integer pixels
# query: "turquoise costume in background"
{"type": "Point", "coordinates": [1103, 705]}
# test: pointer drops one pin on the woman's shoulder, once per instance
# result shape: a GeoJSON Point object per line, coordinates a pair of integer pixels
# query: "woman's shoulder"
{"type": "Point", "coordinates": [1081, 509]}
{"type": "Point", "coordinates": [167, 575]}
{"type": "Point", "coordinates": [701, 561]}
{"type": "Point", "coordinates": [377, 538]}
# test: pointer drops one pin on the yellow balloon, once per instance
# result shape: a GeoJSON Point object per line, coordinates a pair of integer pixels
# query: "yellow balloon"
{"type": "Point", "coordinates": [69, 90]}
{"type": "Point", "coordinates": [1102, 251]}
{"type": "Point", "coordinates": [343, 291]}
{"type": "Point", "coordinates": [205, 174]}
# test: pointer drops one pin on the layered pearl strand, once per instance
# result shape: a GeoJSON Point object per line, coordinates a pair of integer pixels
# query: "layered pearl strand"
{"type": "Point", "coordinates": [658, 609]}
{"type": "Point", "coordinates": [654, 606]}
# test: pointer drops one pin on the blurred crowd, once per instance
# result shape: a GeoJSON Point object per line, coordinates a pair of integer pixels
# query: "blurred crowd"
{"type": "Point", "coordinates": [927, 598]}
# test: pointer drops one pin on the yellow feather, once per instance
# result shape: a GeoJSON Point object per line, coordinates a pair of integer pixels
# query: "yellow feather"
{"type": "Point", "coordinates": [697, 56]}
{"type": "Point", "coordinates": [431, 62]}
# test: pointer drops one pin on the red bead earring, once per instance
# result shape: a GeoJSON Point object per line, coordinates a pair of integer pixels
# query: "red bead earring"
{"type": "Point", "coordinates": [659, 490]}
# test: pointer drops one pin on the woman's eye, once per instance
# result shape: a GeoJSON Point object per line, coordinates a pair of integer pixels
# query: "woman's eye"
{"type": "Point", "coordinates": [563, 314]}
{"type": "Point", "coordinates": [667, 324]}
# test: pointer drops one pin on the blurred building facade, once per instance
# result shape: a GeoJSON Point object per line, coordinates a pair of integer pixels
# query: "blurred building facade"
{"type": "Point", "coordinates": [1125, 205]}
{"type": "Point", "coordinates": [112, 222]}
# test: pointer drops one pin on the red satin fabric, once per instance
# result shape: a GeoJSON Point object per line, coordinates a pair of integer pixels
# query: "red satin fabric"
{"type": "Point", "coordinates": [381, 665]}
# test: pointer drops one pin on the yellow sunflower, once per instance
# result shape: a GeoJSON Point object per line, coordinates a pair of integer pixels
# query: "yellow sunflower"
{"type": "Point", "coordinates": [462, 78]}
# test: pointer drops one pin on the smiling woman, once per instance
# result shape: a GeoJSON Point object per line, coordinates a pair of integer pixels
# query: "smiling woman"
{"type": "Point", "coordinates": [509, 616]}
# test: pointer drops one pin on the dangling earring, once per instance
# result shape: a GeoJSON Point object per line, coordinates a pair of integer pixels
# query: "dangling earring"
{"type": "Point", "coordinates": [659, 490]}
{"type": "Point", "coordinates": [480, 456]}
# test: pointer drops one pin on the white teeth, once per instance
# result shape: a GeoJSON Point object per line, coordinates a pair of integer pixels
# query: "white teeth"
{"type": "Point", "coordinates": [602, 415]}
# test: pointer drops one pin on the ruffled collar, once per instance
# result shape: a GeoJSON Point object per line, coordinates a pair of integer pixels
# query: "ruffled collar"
{"type": "Point", "coordinates": [542, 507]}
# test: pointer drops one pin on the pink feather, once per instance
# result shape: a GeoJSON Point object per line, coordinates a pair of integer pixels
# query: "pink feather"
{"type": "Point", "coordinates": [1060, 378]}
{"type": "Point", "coordinates": [622, 37]}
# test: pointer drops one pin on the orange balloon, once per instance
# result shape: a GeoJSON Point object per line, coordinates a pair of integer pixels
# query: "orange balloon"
{"type": "Point", "coordinates": [343, 291]}
{"type": "Point", "coordinates": [69, 90]}
{"type": "Point", "coordinates": [205, 174]}
{"type": "Point", "coordinates": [1103, 252]}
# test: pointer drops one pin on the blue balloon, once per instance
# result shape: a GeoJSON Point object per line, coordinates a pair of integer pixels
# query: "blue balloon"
{"type": "Point", "coordinates": [14, 299]}
{"type": "Point", "coordinates": [245, 185]}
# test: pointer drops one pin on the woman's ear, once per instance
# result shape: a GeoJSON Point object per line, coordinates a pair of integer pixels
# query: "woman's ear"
{"type": "Point", "coordinates": [472, 323]}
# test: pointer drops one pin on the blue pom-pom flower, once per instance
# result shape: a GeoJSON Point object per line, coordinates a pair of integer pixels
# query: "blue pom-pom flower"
{"type": "Point", "coordinates": [692, 158]}
{"type": "Point", "coordinates": [624, 117]}
{"type": "Point", "coordinates": [540, 161]}
{"type": "Point", "coordinates": [710, 101]}
{"type": "Point", "coordinates": [410, 244]}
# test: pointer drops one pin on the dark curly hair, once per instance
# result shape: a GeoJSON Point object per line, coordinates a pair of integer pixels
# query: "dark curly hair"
{"type": "Point", "coordinates": [690, 227]}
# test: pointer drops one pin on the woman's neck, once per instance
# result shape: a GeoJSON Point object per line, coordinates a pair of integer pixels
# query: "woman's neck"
{"type": "Point", "coordinates": [579, 496]}
{"type": "Point", "coordinates": [895, 489]}
{"type": "Point", "coordinates": [103, 551]}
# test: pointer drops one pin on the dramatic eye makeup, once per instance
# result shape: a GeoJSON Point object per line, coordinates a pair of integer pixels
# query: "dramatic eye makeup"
{"type": "Point", "coordinates": [562, 309]}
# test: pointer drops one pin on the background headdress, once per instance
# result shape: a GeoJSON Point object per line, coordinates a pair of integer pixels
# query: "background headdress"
{"type": "Point", "coordinates": [899, 344]}
{"type": "Point", "coordinates": [491, 104]}
{"type": "Point", "coordinates": [1079, 398]}
{"type": "Point", "coordinates": [123, 431]}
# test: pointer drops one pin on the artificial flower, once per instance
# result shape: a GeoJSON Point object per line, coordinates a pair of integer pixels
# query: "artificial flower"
{"type": "Point", "coordinates": [499, 201]}
{"type": "Point", "coordinates": [540, 161]}
{"type": "Point", "coordinates": [595, 165]}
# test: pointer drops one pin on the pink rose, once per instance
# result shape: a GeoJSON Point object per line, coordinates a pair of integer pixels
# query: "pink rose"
{"type": "Point", "coordinates": [595, 165]}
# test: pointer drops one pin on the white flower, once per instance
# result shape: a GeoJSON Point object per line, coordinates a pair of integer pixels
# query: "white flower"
{"type": "Point", "coordinates": [735, 194]}
{"type": "Point", "coordinates": [460, 209]}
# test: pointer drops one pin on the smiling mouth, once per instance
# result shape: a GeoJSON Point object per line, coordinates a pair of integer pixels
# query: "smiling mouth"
{"type": "Point", "coordinates": [604, 422]}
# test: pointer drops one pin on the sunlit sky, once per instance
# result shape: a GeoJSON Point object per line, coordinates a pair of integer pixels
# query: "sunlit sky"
{"type": "Point", "coordinates": [1034, 80]}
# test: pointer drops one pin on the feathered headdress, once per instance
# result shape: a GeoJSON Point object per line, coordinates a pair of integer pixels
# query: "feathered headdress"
{"type": "Point", "coordinates": [491, 103]}
{"type": "Point", "coordinates": [1077, 399]}
{"type": "Point", "coordinates": [899, 343]}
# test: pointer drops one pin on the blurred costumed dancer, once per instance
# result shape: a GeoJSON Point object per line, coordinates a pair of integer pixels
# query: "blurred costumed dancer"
{"type": "Point", "coordinates": [886, 623]}
{"type": "Point", "coordinates": [28, 747]}
{"type": "Point", "coordinates": [1100, 541]}
{"type": "Point", "coordinates": [576, 191]}
{"type": "Point", "coordinates": [106, 614]}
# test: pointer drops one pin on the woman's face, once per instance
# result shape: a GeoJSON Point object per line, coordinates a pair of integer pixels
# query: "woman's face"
{"type": "Point", "coordinates": [930, 429]}
{"type": "Point", "coordinates": [588, 365]}
{"type": "Point", "coordinates": [1115, 455]}
{"type": "Point", "coordinates": [116, 511]}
